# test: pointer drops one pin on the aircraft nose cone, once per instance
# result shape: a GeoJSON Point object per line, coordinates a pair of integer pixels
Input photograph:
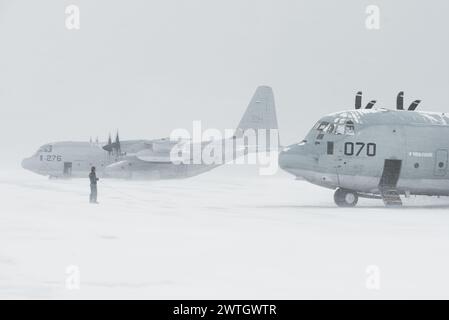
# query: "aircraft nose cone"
{"type": "Point", "coordinates": [294, 160]}
{"type": "Point", "coordinates": [25, 163]}
{"type": "Point", "coordinates": [33, 165]}
{"type": "Point", "coordinates": [286, 160]}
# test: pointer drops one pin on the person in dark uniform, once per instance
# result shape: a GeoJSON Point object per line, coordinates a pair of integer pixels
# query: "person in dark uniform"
{"type": "Point", "coordinates": [93, 185]}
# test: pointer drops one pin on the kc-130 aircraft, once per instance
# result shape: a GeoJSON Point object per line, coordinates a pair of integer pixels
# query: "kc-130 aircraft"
{"type": "Point", "coordinates": [374, 153]}
{"type": "Point", "coordinates": [145, 159]}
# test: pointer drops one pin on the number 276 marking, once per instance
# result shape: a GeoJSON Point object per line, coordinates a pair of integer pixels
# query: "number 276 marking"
{"type": "Point", "coordinates": [51, 157]}
{"type": "Point", "coordinates": [356, 149]}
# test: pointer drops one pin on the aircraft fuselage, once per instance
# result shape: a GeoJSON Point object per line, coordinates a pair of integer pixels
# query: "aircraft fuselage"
{"type": "Point", "coordinates": [366, 149]}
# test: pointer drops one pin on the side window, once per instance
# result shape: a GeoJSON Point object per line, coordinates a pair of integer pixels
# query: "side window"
{"type": "Point", "coordinates": [349, 130]}
{"type": "Point", "coordinates": [322, 126]}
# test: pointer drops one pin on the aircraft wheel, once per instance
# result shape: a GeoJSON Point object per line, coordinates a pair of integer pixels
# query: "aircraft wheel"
{"type": "Point", "coordinates": [345, 198]}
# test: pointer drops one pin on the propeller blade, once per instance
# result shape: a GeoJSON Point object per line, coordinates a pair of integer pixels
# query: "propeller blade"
{"type": "Point", "coordinates": [400, 101]}
{"type": "Point", "coordinates": [414, 105]}
{"type": "Point", "coordinates": [109, 147]}
{"type": "Point", "coordinates": [117, 146]}
{"type": "Point", "coordinates": [358, 100]}
{"type": "Point", "coordinates": [371, 104]}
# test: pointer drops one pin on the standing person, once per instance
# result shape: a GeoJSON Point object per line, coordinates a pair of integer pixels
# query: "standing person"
{"type": "Point", "coordinates": [93, 185]}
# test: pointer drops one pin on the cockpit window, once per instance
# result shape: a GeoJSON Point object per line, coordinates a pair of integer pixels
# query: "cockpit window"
{"type": "Point", "coordinates": [330, 128]}
{"type": "Point", "coordinates": [47, 148]}
{"type": "Point", "coordinates": [339, 127]}
{"type": "Point", "coordinates": [323, 125]}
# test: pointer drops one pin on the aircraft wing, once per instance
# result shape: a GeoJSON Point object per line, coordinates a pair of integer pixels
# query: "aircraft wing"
{"type": "Point", "coordinates": [152, 156]}
{"type": "Point", "coordinates": [160, 151]}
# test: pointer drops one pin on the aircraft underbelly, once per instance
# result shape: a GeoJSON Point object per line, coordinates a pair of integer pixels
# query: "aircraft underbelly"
{"type": "Point", "coordinates": [369, 184]}
{"type": "Point", "coordinates": [360, 183]}
{"type": "Point", "coordinates": [424, 186]}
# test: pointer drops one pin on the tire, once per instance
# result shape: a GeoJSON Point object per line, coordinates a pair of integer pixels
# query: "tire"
{"type": "Point", "coordinates": [346, 198]}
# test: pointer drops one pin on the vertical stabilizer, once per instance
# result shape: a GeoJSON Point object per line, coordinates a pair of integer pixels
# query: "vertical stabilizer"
{"type": "Point", "coordinates": [260, 113]}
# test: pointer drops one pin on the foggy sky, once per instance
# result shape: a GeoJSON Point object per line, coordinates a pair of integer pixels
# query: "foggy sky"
{"type": "Point", "coordinates": [148, 67]}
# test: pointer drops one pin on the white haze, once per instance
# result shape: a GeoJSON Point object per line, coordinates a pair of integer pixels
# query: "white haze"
{"type": "Point", "coordinates": [148, 67]}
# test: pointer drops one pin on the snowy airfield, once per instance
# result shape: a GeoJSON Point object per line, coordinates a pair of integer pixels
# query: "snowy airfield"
{"type": "Point", "coordinates": [229, 233]}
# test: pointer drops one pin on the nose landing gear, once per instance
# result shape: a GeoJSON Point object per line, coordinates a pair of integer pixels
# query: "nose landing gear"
{"type": "Point", "coordinates": [345, 198]}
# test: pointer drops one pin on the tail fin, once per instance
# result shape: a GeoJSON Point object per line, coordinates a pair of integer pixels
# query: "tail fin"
{"type": "Point", "coordinates": [261, 112]}
{"type": "Point", "coordinates": [260, 118]}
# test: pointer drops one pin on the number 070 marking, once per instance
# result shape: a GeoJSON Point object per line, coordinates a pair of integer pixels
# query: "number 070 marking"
{"type": "Point", "coordinates": [357, 148]}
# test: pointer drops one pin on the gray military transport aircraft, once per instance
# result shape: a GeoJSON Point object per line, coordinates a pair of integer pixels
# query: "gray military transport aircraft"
{"type": "Point", "coordinates": [374, 153]}
{"type": "Point", "coordinates": [145, 159]}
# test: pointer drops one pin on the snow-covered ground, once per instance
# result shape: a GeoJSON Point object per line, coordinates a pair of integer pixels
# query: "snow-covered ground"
{"type": "Point", "coordinates": [226, 234]}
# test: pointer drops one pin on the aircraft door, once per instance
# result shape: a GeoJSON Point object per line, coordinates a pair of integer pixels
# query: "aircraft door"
{"type": "Point", "coordinates": [391, 173]}
{"type": "Point", "coordinates": [441, 158]}
{"type": "Point", "coordinates": [67, 169]}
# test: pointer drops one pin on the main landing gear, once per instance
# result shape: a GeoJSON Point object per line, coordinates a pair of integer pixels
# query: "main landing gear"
{"type": "Point", "coordinates": [345, 198]}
